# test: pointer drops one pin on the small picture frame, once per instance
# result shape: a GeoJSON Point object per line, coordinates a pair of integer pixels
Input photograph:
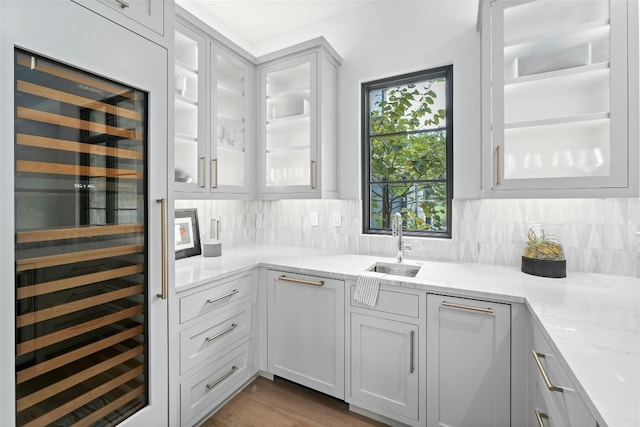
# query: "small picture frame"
{"type": "Point", "coordinates": [187, 233]}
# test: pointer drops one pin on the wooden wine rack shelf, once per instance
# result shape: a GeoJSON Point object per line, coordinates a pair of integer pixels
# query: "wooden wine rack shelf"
{"type": "Point", "coordinates": [81, 282]}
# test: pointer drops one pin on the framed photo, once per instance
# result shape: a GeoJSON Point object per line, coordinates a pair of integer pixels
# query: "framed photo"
{"type": "Point", "coordinates": [187, 233]}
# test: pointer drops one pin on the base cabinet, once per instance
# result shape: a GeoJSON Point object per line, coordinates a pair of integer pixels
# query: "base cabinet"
{"type": "Point", "coordinates": [305, 332]}
{"type": "Point", "coordinates": [384, 372]}
{"type": "Point", "coordinates": [386, 357]}
{"type": "Point", "coordinates": [468, 362]}
{"type": "Point", "coordinates": [216, 344]}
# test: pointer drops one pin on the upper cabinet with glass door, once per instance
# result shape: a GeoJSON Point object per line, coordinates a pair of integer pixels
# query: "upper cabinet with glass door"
{"type": "Point", "coordinates": [559, 83]}
{"type": "Point", "coordinates": [232, 80]}
{"type": "Point", "coordinates": [190, 149]}
{"type": "Point", "coordinates": [298, 122]}
{"type": "Point", "coordinates": [212, 151]}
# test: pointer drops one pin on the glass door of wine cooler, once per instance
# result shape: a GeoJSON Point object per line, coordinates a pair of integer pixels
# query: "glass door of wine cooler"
{"type": "Point", "coordinates": [81, 215]}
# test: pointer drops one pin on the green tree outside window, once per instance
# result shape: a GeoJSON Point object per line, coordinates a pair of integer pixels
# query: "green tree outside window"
{"type": "Point", "coordinates": [408, 145]}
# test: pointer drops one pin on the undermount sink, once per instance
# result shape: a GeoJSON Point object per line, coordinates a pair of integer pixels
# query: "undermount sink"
{"type": "Point", "coordinates": [405, 270]}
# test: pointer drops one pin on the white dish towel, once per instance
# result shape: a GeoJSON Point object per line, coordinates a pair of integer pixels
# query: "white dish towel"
{"type": "Point", "coordinates": [367, 288]}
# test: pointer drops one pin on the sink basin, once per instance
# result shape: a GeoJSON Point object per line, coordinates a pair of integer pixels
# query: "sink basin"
{"type": "Point", "coordinates": [405, 270]}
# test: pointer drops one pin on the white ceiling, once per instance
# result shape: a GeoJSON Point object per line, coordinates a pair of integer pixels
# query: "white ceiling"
{"type": "Point", "coordinates": [257, 20]}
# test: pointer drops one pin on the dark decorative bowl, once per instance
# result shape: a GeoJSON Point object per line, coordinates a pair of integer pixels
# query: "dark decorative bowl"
{"type": "Point", "coordinates": [544, 267]}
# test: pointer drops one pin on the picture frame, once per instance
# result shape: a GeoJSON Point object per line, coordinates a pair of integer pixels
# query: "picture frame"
{"type": "Point", "coordinates": [186, 233]}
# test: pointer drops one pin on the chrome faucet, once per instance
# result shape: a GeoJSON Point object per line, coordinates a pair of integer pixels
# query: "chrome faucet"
{"type": "Point", "coordinates": [396, 231]}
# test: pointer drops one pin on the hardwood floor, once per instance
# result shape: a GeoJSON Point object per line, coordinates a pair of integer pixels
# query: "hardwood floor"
{"type": "Point", "coordinates": [280, 403]}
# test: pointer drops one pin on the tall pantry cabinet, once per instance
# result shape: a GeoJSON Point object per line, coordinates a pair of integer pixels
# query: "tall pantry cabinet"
{"type": "Point", "coordinates": [83, 156]}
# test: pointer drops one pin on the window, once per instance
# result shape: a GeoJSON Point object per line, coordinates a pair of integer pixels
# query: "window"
{"type": "Point", "coordinates": [407, 143]}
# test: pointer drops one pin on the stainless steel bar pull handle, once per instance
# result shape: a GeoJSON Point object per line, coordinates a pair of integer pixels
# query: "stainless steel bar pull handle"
{"type": "Point", "coordinates": [498, 165]}
{"type": "Point", "coordinates": [540, 416]}
{"type": "Point", "coordinates": [123, 4]}
{"type": "Point", "coordinates": [312, 169]}
{"type": "Point", "coordinates": [163, 236]}
{"type": "Point", "coordinates": [203, 181]}
{"type": "Point", "coordinates": [537, 356]}
{"type": "Point", "coordinates": [230, 294]}
{"type": "Point", "coordinates": [301, 281]}
{"type": "Point", "coordinates": [222, 378]}
{"type": "Point", "coordinates": [223, 333]}
{"type": "Point", "coordinates": [214, 165]}
{"type": "Point", "coordinates": [467, 307]}
{"type": "Point", "coordinates": [411, 350]}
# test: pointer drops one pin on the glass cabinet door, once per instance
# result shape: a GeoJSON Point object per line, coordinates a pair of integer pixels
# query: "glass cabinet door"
{"type": "Point", "coordinates": [81, 218]}
{"type": "Point", "coordinates": [559, 73]}
{"type": "Point", "coordinates": [190, 129]}
{"type": "Point", "coordinates": [231, 110]}
{"type": "Point", "coordinates": [289, 125]}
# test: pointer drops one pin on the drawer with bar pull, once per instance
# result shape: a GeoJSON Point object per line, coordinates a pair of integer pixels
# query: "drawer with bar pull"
{"type": "Point", "coordinates": [208, 387]}
{"type": "Point", "coordinates": [394, 302]}
{"type": "Point", "coordinates": [214, 297]}
{"type": "Point", "coordinates": [553, 381]}
{"type": "Point", "coordinates": [202, 341]}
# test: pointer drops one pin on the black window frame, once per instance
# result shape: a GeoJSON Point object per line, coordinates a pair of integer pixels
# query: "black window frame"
{"type": "Point", "coordinates": [367, 87]}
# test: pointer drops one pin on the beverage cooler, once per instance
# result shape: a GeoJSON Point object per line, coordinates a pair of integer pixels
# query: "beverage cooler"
{"type": "Point", "coordinates": [80, 246]}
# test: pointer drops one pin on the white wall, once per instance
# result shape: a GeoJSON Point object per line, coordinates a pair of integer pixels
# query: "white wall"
{"type": "Point", "coordinates": [386, 38]}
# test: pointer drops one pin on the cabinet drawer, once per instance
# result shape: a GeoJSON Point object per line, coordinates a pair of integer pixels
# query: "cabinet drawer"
{"type": "Point", "coordinates": [210, 386]}
{"type": "Point", "coordinates": [572, 410]}
{"type": "Point", "coordinates": [390, 301]}
{"type": "Point", "coordinates": [148, 13]}
{"type": "Point", "coordinates": [204, 340]}
{"type": "Point", "coordinates": [544, 410]}
{"type": "Point", "coordinates": [214, 297]}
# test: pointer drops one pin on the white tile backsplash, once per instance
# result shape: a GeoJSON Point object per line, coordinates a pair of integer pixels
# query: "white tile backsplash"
{"type": "Point", "coordinates": [598, 235]}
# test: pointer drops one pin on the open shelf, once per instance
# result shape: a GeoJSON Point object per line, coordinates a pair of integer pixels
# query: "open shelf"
{"type": "Point", "coordinates": [557, 121]}
{"type": "Point", "coordinates": [568, 32]}
{"type": "Point", "coordinates": [558, 73]}
{"type": "Point", "coordinates": [288, 119]}
{"type": "Point", "coordinates": [186, 68]}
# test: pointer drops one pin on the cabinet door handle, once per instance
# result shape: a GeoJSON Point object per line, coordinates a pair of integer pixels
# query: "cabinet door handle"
{"type": "Point", "coordinates": [498, 164]}
{"type": "Point", "coordinates": [230, 294]}
{"type": "Point", "coordinates": [411, 349]}
{"type": "Point", "coordinates": [301, 281]}
{"type": "Point", "coordinates": [540, 417]}
{"type": "Point", "coordinates": [203, 162]}
{"type": "Point", "coordinates": [223, 333]}
{"type": "Point", "coordinates": [163, 238]}
{"type": "Point", "coordinates": [537, 356]}
{"type": "Point", "coordinates": [312, 168]}
{"type": "Point", "coordinates": [222, 378]}
{"type": "Point", "coordinates": [123, 4]}
{"type": "Point", "coordinates": [467, 307]}
{"type": "Point", "coordinates": [214, 166]}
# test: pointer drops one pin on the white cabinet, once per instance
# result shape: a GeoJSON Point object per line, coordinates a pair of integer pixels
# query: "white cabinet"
{"type": "Point", "coordinates": [305, 332]}
{"type": "Point", "coordinates": [386, 355]}
{"type": "Point", "coordinates": [213, 97]}
{"type": "Point", "coordinates": [468, 362]}
{"type": "Point", "coordinates": [559, 83]}
{"type": "Point", "coordinates": [298, 123]}
{"type": "Point", "coordinates": [215, 337]}
{"type": "Point", "coordinates": [231, 96]}
{"type": "Point", "coordinates": [146, 17]}
{"type": "Point", "coordinates": [556, 399]}
{"type": "Point", "coordinates": [190, 129]}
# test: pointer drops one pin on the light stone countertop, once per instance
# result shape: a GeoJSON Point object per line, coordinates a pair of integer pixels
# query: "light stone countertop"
{"type": "Point", "coordinates": [593, 319]}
